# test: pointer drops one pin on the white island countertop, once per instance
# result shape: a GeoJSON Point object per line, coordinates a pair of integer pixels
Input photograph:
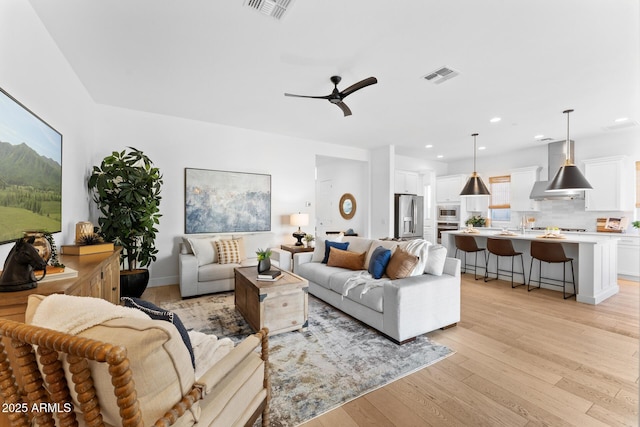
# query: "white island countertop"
{"type": "Point", "coordinates": [595, 258]}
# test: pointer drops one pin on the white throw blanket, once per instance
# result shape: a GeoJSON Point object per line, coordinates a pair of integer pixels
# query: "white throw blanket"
{"type": "Point", "coordinates": [362, 278]}
{"type": "Point", "coordinates": [72, 315]}
{"type": "Point", "coordinates": [208, 350]}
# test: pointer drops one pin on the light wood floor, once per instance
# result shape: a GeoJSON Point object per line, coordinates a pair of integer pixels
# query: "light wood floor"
{"type": "Point", "coordinates": [522, 359]}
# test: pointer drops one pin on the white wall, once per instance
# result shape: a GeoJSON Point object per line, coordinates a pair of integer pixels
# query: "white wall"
{"type": "Point", "coordinates": [175, 144]}
{"type": "Point", "coordinates": [346, 176]}
{"type": "Point", "coordinates": [33, 71]}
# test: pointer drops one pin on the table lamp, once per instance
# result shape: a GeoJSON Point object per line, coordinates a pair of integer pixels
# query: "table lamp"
{"type": "Point", "coordinates": [300, 220]}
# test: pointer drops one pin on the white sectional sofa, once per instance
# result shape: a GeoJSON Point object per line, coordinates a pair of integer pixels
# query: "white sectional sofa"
{"type": "Point", "coordinates": [201, 271]}
{"type": "Point", "coordinates": [402, 308]}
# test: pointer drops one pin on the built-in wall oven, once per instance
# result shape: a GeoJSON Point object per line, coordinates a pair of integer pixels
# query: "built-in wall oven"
{"type": "Point", "coordinates": [446, 226]}
{"type": "Point", "coordinates": [448, 213]}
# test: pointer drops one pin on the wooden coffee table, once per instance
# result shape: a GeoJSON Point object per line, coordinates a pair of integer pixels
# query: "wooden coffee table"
{"type": "Point", "coordinates": [281, 306]}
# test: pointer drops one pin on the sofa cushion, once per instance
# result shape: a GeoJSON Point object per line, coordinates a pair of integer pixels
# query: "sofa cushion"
{"type": "Point", "coordinates": [419, 248]}
{"type": "Point", "coordinates": [372, 299]}
{"type": "Point", "coordinates": [208, 273]}
{"type": "Point", "coordinates": [379, 261]}
{"type": "Point", "coordinates": [338, 279]}
{"type": "Point", "coordinates": [357, 244]}
{"type": "Point", "coordinates": [204, 249]}
{"type": "Point", "coordinates": [158, 313]}
{"type": "Point", "coordinates": [228, 251]}
{"type": "Point", "coordinates": [329, 244]}
{"type": "Point", "coordinates": [320, 249]}
{"type": "Point", "coordinates": [401, 264]}
{"type": "Point", "coordinates": [435, 260]}
{"type": "Point", "coordinates": [346, 259]}
{"type": "Point", "coordinates": [318, 273]}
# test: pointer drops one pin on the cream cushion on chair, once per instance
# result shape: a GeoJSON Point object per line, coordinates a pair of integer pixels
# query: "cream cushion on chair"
{"type": "Point", "coordinates": [159, 361]}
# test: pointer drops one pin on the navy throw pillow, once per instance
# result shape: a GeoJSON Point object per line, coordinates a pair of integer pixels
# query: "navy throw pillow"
{"type": "Point", "coordinates": [329, 244]}
{"type": "Point", "coordinates": [157, 313]}
{"type": "Point", "coordinates": [379, 261]}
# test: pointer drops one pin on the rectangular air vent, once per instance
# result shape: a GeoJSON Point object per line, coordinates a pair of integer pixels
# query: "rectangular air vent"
{"type": "Point", "coordinates": [622, 125]}
{"type": "Point", "coordinates": [274, 8]}
{"type": "Point", "coordinates": [440, 75]}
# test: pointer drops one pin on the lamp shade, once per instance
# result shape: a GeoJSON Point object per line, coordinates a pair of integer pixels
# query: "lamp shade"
{"type": "Point", "coordinates": [475, 187]}
{"type": "Point", "coordinates": [569, 177]}
{"type": "Point", "coordinates": [299, 219]}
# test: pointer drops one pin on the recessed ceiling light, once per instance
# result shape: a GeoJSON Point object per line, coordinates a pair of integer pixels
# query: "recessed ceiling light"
{"type": "Point", "coordinates": [621, 119]}
{"type": "Point", "coordinates": [482, 148]}
{"type": "Point", "coordinates": [428, 146]}
{"type": "Point", "coordinates": [495, 120]}
{"type": "Point", "coordinates": [439, 156]}
{"type": "Point", "coordinates": [538, 137]}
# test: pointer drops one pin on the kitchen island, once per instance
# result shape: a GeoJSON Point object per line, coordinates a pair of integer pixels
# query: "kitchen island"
{"type": "Point", "coordinates": [594, 260]}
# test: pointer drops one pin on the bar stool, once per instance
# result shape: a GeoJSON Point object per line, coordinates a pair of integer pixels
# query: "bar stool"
{"type": "Point", "coordinates": [468, 244]}
{"type": "Point", "coordinates": [551, 252]}
{"type": "Point", "coordinates": [503, 247]}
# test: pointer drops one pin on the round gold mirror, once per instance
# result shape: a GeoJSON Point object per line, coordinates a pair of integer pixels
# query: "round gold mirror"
{"type": "Point", "coordinates": [347, 206]}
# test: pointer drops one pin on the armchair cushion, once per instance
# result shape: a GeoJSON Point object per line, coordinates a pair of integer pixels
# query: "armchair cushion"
{"type": "Point", "coordinates": [158, 313]}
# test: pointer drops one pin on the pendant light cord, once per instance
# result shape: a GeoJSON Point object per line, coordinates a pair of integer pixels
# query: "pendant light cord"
{"type": "Point", "coordinates": [567, 160]}
{"type": "Point", "coordinates": [474, 152]}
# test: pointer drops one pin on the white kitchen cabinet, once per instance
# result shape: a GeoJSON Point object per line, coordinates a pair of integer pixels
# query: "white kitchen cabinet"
{"type": "Point", "coordinates": [522, 180]}
{"type": "Point", "coordinates": [406, 182]}
{"type": "Point", "coordinates": [610, 179]}
{"type": "Point", "coordinates": [448, 188]}
{"type": "Point", "coordinates": [476, 203]}
{"type": "Point", "coordinates": [629, 257]}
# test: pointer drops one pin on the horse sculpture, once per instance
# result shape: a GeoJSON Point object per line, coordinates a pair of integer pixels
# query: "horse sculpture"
{"type": "Point", "coordinates": [23, 259]}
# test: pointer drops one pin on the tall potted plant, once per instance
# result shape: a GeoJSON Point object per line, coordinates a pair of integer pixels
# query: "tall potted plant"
{"type": "Point", "coordinates": [126, 187]}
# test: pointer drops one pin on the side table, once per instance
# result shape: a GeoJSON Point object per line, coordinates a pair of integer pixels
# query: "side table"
{"type": "Point", "coordinates": [294, 250]}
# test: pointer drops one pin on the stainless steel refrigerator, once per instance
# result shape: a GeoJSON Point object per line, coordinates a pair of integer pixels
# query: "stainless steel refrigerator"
{"type": "Point", "coordinates": [408, 216]}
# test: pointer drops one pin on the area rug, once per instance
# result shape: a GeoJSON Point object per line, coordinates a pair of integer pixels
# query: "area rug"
{"type": "Point", "coordinates": [336, 360]}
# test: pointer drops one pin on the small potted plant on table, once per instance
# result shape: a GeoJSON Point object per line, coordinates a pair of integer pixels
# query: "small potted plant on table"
{"type": "Point", "coordinates": [264, 260]}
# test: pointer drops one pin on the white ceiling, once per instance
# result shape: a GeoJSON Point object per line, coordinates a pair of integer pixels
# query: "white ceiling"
{"type": "Point", "coordinates": [219, 61]}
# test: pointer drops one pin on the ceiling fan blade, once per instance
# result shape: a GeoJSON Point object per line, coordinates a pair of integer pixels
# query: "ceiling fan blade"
{"type": "Point", "coordinates": [357, 86]}
{"type": "Point", "coordinates": [343, 107]}
{"type": "Point", "coordinates": [308, 96]}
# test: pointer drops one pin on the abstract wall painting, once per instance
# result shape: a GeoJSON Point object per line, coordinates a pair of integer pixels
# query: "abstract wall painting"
{"type": "Point", "coordinates": [223, 202]}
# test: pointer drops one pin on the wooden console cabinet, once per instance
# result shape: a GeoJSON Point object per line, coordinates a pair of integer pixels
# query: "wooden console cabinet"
{"type": "Point", "coordinates": [98, 276]}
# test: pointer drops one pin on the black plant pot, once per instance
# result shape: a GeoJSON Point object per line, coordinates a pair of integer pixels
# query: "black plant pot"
{"type": "Point", "coordinates": [133, 282]}
{"type": "Point", "coordinates": [264, 265]}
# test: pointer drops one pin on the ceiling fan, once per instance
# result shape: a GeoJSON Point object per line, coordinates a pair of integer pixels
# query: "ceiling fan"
{"type": "Point", "coordinates": [337, 96]}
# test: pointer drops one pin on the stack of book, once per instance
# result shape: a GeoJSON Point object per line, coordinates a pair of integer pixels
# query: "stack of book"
{"type": "Point", "coordinates": [270, 276]}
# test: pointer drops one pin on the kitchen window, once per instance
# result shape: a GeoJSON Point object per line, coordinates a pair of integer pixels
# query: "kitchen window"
{"type": "Point", "coordinates": [499, 201]}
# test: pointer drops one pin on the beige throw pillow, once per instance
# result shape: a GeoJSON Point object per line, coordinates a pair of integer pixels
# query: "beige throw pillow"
{"type": "Point", "coordinates": [204, 249]}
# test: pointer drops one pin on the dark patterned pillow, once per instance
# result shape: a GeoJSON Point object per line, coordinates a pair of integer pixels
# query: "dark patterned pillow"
{"type": "Point", "coordinates": [158, 313]}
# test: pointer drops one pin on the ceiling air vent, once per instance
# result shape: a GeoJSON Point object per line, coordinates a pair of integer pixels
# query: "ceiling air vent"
{"type": "Point", "coordinates": [274, 8]}
{"type": "Point", "coordinates": [622, 125]}
{"type": "Point", "coordinates": [440, 75]}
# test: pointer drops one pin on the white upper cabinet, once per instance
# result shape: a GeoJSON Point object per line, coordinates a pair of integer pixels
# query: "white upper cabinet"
{"type": "Point", "coordinates": [522, 180]}
{"type": "Point", "coordinates": [610, 180]}
{"type": "Point", "coordinates": [476, 203]}
{"type": "Point", "coordinates": [406, 182]}
{"type": "Point", "coordinates": [448, 188]}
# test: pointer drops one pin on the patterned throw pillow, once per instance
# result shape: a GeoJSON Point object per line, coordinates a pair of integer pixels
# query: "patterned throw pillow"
{"type": "Point", "coordinates": [228, 251]}
{"type": "Point", "coordinates": [401, 264]}
{"type": "Point", "coordinates": [157, 313]}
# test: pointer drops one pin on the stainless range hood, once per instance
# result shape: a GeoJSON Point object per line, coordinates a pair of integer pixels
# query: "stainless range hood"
{"type": "Point", "coordinates": [557, 158]}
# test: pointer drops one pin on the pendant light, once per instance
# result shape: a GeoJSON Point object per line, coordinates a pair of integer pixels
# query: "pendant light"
{"type": "Point", "coordinates": [474, 186]}
{"type": "Point", "coordinates": [569, 176]}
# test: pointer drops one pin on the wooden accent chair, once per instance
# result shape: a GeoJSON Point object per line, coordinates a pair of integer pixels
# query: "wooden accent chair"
{"type": "Point", "coordinates": [76, 374]}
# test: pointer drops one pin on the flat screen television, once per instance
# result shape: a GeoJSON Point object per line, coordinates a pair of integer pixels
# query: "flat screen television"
{"type": "Point", "coordinates": [30, 172]}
